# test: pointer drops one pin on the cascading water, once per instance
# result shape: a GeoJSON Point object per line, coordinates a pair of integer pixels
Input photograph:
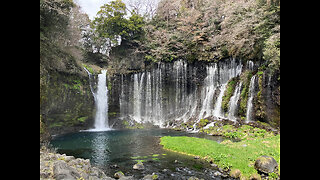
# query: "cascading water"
{"type": "Point", "coordinates": [251, 95]}
{"type": "Point", "coordinates": [101, 102]}
{"type": "Point", "coordinates": [171, 91]}
{"type": "Point", "coordinates": [233, 104]}
{"type": "Point", "coordinates": [217, 112]}
{"type": "Point", "coordinates": [208, 92]}
{"type": "Point", "coordinates": [101, 119]}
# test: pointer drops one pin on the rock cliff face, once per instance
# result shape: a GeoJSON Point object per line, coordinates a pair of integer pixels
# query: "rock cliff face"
{"type": "Point", "coordinates": [66, 102]}
{"type": "Point", "coordinates": [181, 92]}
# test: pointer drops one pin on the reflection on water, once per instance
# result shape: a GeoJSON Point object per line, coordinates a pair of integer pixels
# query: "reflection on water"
{"type": "Point", "coordinates": [100, 148]}
{"type": "Point", "coordinates": [125, 147]}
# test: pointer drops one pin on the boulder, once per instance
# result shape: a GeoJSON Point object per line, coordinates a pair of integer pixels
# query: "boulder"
{"type": "Point", "coordinates": [62, 170]}
{"type": "Point", "coordinates": [265, 164]}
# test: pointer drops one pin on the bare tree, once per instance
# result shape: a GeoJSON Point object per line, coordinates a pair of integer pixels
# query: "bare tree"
{"type": "Point", "coordinates": [146, 8]}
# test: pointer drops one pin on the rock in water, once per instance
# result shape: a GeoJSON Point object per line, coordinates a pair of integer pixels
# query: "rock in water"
{"type": "Point", "coordinates": [138, 166]}
{"type": "Point", "coordinates": [265, 164]}
{"type": "Point", "coordinates": [118, 175]}
{"type": "Point", "coordinates": [153, 176]}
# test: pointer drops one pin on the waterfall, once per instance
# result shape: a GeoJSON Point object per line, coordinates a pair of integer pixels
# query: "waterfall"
{"type": "Point", "coordinates": [208, 92]}
{"type": "Point", "coordinates": [217, 112]}
{"type": "Point", "coordinates": [101, 102]}
{"type": "Point", "coordinates": [148, 96]}
{"type": "Point", "coordinates": [250, 65]}
{"type": "Point", "coordinates": [233, 104]}
{"type": "Point", "coordinates": [137, 99]}
{"type": "Point", "coordinates": [226, 72]}
{"type": "Point", "coordinates": [251, 95]}
{"type": "Point", "coordinates": [90, 79]}
{"type": "Point", "coordinates": [177, 92]}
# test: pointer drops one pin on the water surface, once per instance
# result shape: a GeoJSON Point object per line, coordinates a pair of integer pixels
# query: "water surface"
{"type": "Point", "coordinates": [119, 150]}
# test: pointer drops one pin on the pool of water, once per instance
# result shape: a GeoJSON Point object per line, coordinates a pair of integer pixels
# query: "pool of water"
{"type": "Point", "coordinates": [119, 150]}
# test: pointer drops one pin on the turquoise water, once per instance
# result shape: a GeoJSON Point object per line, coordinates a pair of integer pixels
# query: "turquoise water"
{"type": "Point", "coordinates": [119, 150]}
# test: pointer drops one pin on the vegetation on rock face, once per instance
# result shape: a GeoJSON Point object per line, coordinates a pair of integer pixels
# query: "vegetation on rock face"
{"type": "Point", "coordinates": [245, 78]}
{"type": "Point", "coordinates": [228, 93]}
{"type": "Point", "coordinates": [65, 97]}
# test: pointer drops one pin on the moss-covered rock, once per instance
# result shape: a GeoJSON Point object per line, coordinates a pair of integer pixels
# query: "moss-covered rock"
{"type": "Point", "coordinates": [245, 78]}
{"type": "Point", "coordinates": [228, 93]}
{"type": "Point", "coordinates": [265, 164]}
{"type": "Point", "coordinates": [260, 107]}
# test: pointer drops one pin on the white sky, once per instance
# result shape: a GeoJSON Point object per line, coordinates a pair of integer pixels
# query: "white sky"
{"type": "Point", "coordinates": [91, 7]}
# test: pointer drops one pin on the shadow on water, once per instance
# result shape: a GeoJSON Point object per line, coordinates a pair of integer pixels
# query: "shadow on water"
{"type": "Point", "coordinates": [119, 150]}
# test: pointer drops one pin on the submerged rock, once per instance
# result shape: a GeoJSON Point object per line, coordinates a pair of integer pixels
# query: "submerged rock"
{"type": "Point", "coordinates": [265, 164]}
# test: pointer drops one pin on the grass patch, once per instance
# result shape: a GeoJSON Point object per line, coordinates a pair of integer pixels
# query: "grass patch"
{"type": "Point", "coordinates": [244, 132]}
{"type": "Point", "coordinates": [238, 155]}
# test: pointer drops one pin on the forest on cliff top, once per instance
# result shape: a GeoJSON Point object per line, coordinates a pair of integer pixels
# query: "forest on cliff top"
{"type": "Point", "coordinates": [193, 30]}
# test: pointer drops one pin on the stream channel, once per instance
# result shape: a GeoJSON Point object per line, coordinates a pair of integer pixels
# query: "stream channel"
{"type": "Point", "coordinates": [119, 150]}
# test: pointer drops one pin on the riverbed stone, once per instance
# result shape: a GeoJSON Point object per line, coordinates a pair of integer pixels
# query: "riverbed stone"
{"type": "Point", "coordinates": [153, 176]}
{"type": "Point", "coordinates": [118, 174]}
{"type": "Point", "coordinates": [138, 166]}
{"type": "Point", "coordinates": [265, 164]}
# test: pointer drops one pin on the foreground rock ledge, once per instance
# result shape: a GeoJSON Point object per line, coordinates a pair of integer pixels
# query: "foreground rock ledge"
{"type": "Point", "coordinates": [57, 166]}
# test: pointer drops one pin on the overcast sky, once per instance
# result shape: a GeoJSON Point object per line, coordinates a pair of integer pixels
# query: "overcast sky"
{"type": "Point", "coordinates": [91, 7]}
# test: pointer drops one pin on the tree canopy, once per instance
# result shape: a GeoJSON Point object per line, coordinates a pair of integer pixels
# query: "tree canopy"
{"type": "Point", "coordinates": [112, 23]}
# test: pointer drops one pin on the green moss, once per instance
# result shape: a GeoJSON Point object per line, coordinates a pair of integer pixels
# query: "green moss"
{"type": "Point", "coordinates": [150, 58]}
{"type": "Point", "coordinates": [134, 126]}
{"type": "Point", "coordinates": [112, 114]}
{"type": "Point", "coordinates": [203, 123]}
{"type": "Point", "coordinates": [228, 93]}
{"type": "Point", "coordinates": [109, 86]}
{"type": "Point", "coordinates": [125, 123]}
{"type": "Point", "coordinates": [88, 68]}
{"type": "Point", "coordinates": [140, 161]}
{"type": "Point", "coordinates": [82, 119]}
{"type": "Point", "coordinates": [245, 78]}
{"type": "Point", "coordinates": [260, 108]}
{"type": "Point", "coordinates": [154, 176]}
